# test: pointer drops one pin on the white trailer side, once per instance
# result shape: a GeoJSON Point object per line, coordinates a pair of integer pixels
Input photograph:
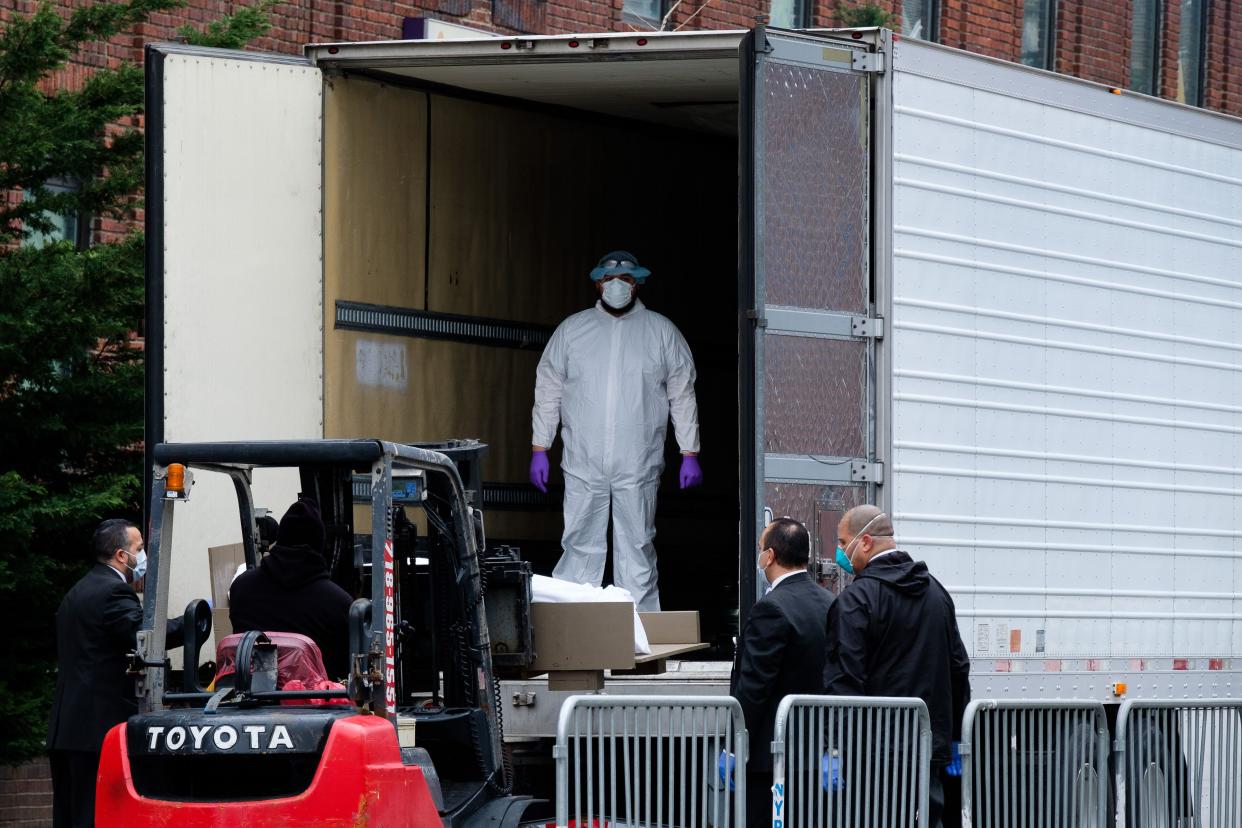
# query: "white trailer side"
{"type": "Point", "coordinates": [1066, 334]}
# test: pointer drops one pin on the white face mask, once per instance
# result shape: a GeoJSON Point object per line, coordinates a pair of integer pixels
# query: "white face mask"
{"type": "Point", "coordinates": [617, 293]}
{"type": "Point", "coordinates": [140, 569]}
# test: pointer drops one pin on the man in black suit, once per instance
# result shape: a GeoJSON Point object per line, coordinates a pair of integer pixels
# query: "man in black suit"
{"type": "Point", "coordinates": [781, 651]}
{"type": "Point", "coordinates": [96, 629]}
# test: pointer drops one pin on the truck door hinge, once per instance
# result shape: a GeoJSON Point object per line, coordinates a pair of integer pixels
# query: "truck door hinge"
{"type": "Point", "coordinates": [866, 471]}
{"type": "Point", "coordinates": [867, 327]}
{"type": "Point", "coordinates": [761, 321]}
{"type": "Point", "coordinates": [869, 62]}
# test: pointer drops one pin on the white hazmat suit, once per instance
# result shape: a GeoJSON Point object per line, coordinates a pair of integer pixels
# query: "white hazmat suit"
{"type": "Point", "coordinates": [611, 383]}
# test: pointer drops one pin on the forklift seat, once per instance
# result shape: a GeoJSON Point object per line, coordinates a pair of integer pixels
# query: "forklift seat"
{"type": "Point", "coordinates": [297, 659]}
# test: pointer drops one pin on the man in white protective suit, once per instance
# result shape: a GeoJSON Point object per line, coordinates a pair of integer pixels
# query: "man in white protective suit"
{"type": "Point", "coordinates": [610, 376]}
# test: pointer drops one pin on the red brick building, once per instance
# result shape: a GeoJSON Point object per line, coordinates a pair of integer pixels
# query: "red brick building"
{"type": "Point", "coordinates": [1184, 50]}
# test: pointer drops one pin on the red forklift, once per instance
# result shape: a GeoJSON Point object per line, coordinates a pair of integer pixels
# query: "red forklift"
{"type": "Point", "coordinates": [413, 735]}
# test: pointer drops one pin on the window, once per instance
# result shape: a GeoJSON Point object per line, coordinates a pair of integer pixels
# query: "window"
{"type": "Point", "coordinates": [1037, 23]}
{"type": "Point", "coordinates": [649, 13]}
{"type": "Point", "coordinates": [1145, 47]}
{"type": "Point", "coordinates": [67, 226]}
{"type": "Point", "coordinates": [1190, 52]}
{"type": "Point", "coordinates": [789, 14]}
{"type": "Point", "coordinates": [918, 19]}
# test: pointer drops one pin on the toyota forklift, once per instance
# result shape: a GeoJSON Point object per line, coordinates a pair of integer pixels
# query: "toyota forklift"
{"type": "Point", "coordinates": [412, 737]}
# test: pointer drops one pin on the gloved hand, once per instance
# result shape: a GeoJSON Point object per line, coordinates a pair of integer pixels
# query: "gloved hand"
{"type": "Point", "coordinates": [539, 470]}
{"type": "Point", "coordinates": [691, 474]}
{"type": "Point", "coordinates": [954, 768]}
{"type": "Point", "coordinates": [830, 769]}
{"type": "Point", "coordinates": [725, 766]}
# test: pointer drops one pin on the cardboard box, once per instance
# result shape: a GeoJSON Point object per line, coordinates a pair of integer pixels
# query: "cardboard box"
{"type": "Point", "coordinates": [221, 627]}
{"type": "Point", "coordinates": [223, 562]}
{"type": "Point", "coordinates": [586, 636]}
{"type": "Point", "coordinates": [680, 627]}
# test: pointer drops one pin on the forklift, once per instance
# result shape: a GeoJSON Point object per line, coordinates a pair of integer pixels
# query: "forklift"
{"type": "Point", "coordinates": [412, 737]}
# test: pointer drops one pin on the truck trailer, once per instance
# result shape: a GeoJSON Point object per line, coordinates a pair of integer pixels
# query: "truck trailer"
{"type": "Point", "coordinates": [1001, 303]}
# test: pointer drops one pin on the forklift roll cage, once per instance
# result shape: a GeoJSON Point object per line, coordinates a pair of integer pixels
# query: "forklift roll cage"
{"type": "Point", "coordinates": [373, 668]}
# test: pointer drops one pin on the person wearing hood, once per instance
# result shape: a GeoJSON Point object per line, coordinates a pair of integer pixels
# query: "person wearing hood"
{"type": "Point", "coordinates": [893, 632]}
{"type": "Point", "coordinates": [290, 591]}
{"type": "Point", "coordinates": [610, 377]}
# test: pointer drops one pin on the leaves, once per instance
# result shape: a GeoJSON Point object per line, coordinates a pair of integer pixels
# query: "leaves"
{"type": "Point", "coordinates": [233, 31]}
{"type": "Point", "coordinates": [866, 15]}
{"type": "Point", "coordinates": [71, 383]}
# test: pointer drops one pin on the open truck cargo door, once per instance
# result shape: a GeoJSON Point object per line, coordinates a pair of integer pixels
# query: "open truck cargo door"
{"type": "Point", "coordinates": [234, 327]}
{"type": "Point", "coordinates": [808, 323]}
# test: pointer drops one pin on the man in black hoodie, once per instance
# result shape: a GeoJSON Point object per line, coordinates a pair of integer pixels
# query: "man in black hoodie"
{"type": "Point", "coordinates": [893, 632]}
{"type": "Point", "coordinates": [290, 591]}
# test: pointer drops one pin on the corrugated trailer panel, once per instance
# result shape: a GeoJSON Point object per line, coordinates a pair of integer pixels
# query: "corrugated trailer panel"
{"type": "Point", "coordinates": [1067, 350]}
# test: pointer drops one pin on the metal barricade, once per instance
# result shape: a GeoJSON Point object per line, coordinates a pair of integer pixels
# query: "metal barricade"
{"type": "Point", "coordinates": [851, 762]}
{"type": "Point", "coordinates": [1179, 764]}
{"type": "Point", "coordinates": [648, 761]}
{"type": "Point", "coordinates": [1034, 764]}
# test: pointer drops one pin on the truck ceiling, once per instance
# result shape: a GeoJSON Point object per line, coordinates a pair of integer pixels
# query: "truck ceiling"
{"type": "Point", "coordinates": [683, 80]}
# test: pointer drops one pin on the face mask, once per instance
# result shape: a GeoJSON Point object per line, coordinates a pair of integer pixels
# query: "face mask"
{"type": "Point", "coordinates": [843, 557]}
{"type": "Point", "coordinates": [140, 570]}
{"type": "Point", "coordinates": [617, 293]}
{"type": "Point", "coordinates": [763, 576]}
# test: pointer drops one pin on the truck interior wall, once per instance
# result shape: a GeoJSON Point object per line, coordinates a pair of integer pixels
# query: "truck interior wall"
{"type": "Point", "coordinates": [456, 205]}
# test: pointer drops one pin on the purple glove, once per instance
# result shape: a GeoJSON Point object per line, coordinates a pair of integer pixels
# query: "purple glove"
{"type": "Point", "coordinates": [539, 470]}
{"type": "Point", "coordinates": [691, 474]}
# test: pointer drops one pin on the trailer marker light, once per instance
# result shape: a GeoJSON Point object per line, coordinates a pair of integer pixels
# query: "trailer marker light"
{"type": "Point", "coordinates": [1114, 91]}
{"type": "Point", "coordinates": [174, 483]}
{"type": "Point", "coordinates": [332, 50]}
{"type": "Point", "coordinates": [856, 35]}
{"type": "Point", "coordinates": [506, 45]}
{"type": "Point", "coordinates": [1119, 688]}
{"type": "Point", "coordinates": [642, 41]}
{"type": "Point", "coordinates": [573, 44]}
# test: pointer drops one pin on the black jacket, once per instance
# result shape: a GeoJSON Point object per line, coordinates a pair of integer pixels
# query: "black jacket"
{"type": "Point", "coordinates": [96, 630]}
{"type": "Point", "coordinates": [780, 652]}
{"type": "Point", "coordinates": [893, 632]}
{"type": "Point", "coordinates": [289, 591]}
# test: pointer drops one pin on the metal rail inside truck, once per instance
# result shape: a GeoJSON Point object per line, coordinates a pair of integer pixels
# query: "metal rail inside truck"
{"type": "Point", "coordinates": [1003, 304]}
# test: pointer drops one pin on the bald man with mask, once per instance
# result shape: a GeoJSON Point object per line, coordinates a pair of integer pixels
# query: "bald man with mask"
{"type": "Point", "coordinates": [893, 632]}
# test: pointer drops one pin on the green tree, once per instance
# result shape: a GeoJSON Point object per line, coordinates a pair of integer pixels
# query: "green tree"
{"type": "Point", "coordinates": [863, 16]}
{"type": "Point", "coordinates": [71, 384]}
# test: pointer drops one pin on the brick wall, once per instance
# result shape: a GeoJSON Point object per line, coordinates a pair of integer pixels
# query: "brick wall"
{"type": "Point", "coordinates": [1172, 27]}
{"type": "Point", "coordinates": [1223, 90]}
{"type": "Point", "coordinates": [985, 27]}
{"type": "Point", "coordinates": [1093, 40]}
{"type": "Point", "coordinates": [26, 795]}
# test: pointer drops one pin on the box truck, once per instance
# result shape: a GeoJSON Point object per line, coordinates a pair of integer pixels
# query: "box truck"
{"type": "Point", "coordinates": [1003, 304]}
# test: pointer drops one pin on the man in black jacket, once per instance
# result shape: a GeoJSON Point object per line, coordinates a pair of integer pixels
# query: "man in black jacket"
{"type": "Point", "coordinates": [781, 651]}
{"type": "Point", "coordinates": [893, 632]}
{"type": "Point", "coordinates": [290, 591]}
{"type": "Point", "coordinates": [96, 629]}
